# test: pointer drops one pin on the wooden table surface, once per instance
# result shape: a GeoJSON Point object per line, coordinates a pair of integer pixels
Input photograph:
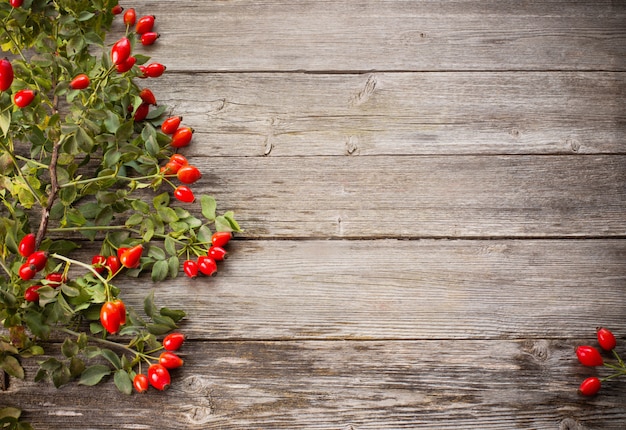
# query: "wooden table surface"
{"type": "Point", "coordinates": [434, 202]}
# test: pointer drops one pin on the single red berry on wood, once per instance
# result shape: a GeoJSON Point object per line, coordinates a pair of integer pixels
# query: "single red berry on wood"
{"type": "Point", "coordinates": [181, 137]}
{"type": "Point", "coordinates": [27, 271]}
{"type": "Point", "coordinates": [206, 265]}
{"type": "Point", "coordinates": [38, 259]}
{"type": "Point", "coordinates": [217, 253]}
{"type": "Point", "coordinates": [154, 70]}
{"type": "Point", "coordinates": [170, 125]}
{"type": "Point", "coordinates": [23, 98]}
{"type": "Point", "coordinates": [149, 38]}
{"type": "Point", "coordinates": [190, 268]}
{"type": "Point", "coordinates": [130, 17]}
{"type": "Point", "coordinates": [147, 96]}
{"type": "Point", "coordinates": [120, 51]}
{"type": "Point", "coordinates": [590, 386]}
{"type": "Point", "coordinates": [80, 82]}
{"type": "Point", "coordinates": [31, 294]}
{"type": "Point", "coordinates": [141, 383]}
{"type": "Point", "coordinates": [159, 377]}
{"type": "Point", "coordinates": [188, 174]}
{"type": "Point", "coordinates": [27, 245]}
{"type": "Point", "coordinates": [145, 24]}
{"type": "Point", "coordinates": [184, 194]}
{"type": "Point", "coordinates": [117, 9]}
{"type": "Point", "coordinates": [606, 339]}
{"type": "Point", "coordinates": [589, 356]}
{"type": "Point", "coordinates": [221, 238]}
{"type": "Point", "coordinates": [169, 360]}
{"type": "Point", "coordinates": [173, 341]}
{"type": "Point", "coordinates": [6, 74]}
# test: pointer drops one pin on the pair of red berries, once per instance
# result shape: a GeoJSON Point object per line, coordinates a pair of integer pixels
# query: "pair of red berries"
{"type": "Point", "coordinates": [186, 173]}
{"type": "Point", "coordinates": [21, 98]}
{"type": "Point", "coordinates": [181, 136]}
{"type": "Point", "coordinates": [35, 260]}
{"type": "Point", "coordinates": [158, 373]}
{"type": "Point", "coordinates": [207, 264]}
{"type": "Point", "coordinates": [591, 357]}
{"type": "Point", "coordinates": [54, 280]}
{"type": "Point", "coordinates": [129, 258]}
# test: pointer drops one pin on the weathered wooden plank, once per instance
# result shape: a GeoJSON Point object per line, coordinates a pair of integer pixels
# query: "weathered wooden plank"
{"type": "Point", "coordinates": [415, 196]}
{"type": "Point", "coordinates": [346, 385]}
{"type": "Point", "coordinates": [399, 113]}
{"type": "Point", "coordinates": [397, 289]}
{"type": "Point", "coordinates": [390, 35]}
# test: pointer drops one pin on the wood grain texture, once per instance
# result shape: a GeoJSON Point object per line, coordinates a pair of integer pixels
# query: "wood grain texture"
{"type": "Point", "coordinates": [399, 289]}
{"type": "Point", "coordinates": [435, 384]}
{"type": "Point", "coordinates": [295, 114]}
{"type": "Point", "coordinates": [416, 197]}
{"type": "Point", "coordinates": [364, 35]}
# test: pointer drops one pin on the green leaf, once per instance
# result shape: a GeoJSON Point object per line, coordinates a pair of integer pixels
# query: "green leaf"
{"type": "Point", "coordinates": [69, 348]}
{"type": "Point", "coordinates": [173, 264]}
{"type": "Point", "coordinates": [148, 305]}
{"type": "Point", "coordinates": [158, 329]}
{"type": "Point", "coordinates": [170, 245]}
{"type": "Point", "coordinates": [94, 374]}
{"type": "Point", "coordinates": [167, 214]}
{"type": "Point", "coordinates": [209, 206]}
{"type": "Point", "coordinates": [123, 382]}
{"type": "Point", "coordinates": [222, 224]}
{"type": "Point", "coordinates": [160, 270]}
{"type": "Point", "coordinates": [9, 364]}
{"type": "Point", "coordinates": [77, 367]}
{"type": "Point", "coordinates": [204, 234]}
{"type": "Point", "coordinates": [156, 253]}
{"type": "Point", "coordinates": [9, 412]}
{"type": "Point", "coordinates": [5, 121]}
{"type": "Point", "coordinates": [111, 357]}
{"type": "Point", "coordinates": [160, 200]}
{"type": "Point", "coordinates": [175, 314]}
{"type": "Point", "coordinates": [61, 376]}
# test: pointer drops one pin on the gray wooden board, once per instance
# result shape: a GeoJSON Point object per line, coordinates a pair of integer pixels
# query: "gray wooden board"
{"type": "Point", "coordinates": [278, 114]}
{"type": "Point", "coordinates": [389, 35]}
{"type": "Point", "coordinates": [469, 384]}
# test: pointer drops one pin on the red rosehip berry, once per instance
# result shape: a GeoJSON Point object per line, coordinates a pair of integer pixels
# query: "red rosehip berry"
{"type": "Point", "coordinates": [169, 360]}
{"type": "Point", "coordinates": [120, 51]}
{"type": "Point", "coordinates": [181, 137]}
{"type": "Point", "coordinates": [221, 238]}
{"type": "Point", "coordinates": [130, 257]}
{"type": "Point", "coordinates": [27, 271]}
{"type": "Point", "coordinates": [117, 9]}
{"type": "Point", "coordinates": [55, 279]}
{"type": "Point", "coordinates": [159, 376]}
{"type": "Point", "coordinates": [142, 112]}
{"type": "Point", "coordinates": [6, 74]}
{"type": "Point", "coordinates": [206, 265]}
{"type": "Point", "coordinates": [38, 259]}
{"type": "Point", "coordinates": [170, 125]}
{"type": "Point", "coordinates": [147, 96]}
{"type": "Point", "coordinates": [190, 268]}
{"type": "Point", "coordinates": [126, 65]}
{"type": "Point", "coordinates": [27, 245]}
{"type": "Point", "coordinates": [141, 383]}
{"type": "Point", "coordinates": [188, 174]}
{"type": "Point", "coordinates": [154, 70]}
{"type": "Point", "coordinates": [16, 3]}
{"type": "Point", "coordinates": [179, 159]}
{"type": "Point", "coordinates": [184, 194]}
{"type": "Point", "coordinates": [589, 356]}
{"type": "Point", "coordinates": [24, 97]}
{"type": "Point", "coordinates": [98, 262]}
{"type": "Point", "coordinates": [130, 17]}
{"type": "Point", "coordinates": [113, 315]}
{"type": "Point", "coordinates": [113, 264]}
{"type": "Point", "coordinates": [149, 38]}
{"type": "Point", "coordinates": [217, 253]}
{"type": "Point", "coordinates": [606, 339]}
{"type": "Point", "coordinates": [145, 24]}
{"type": "Point", "coordinates": [80, 82]}
{"type": "Point", "coordinates": [590, 386]}
{"type": "Point", "coordinates": [173, 341]}
{"type": "Point", "coordinates": [170, 168]}
{"type": "Point", "coordinates": [31, 294]}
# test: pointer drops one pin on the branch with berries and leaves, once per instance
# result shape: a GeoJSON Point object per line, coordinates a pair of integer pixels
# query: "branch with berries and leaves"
{"type": "Point", "coordinates": [86, 153]}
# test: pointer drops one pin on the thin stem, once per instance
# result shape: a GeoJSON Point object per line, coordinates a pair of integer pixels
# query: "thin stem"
{"type": "Point", "coordinates": [109, 343]}
{"type": "Point", "coordinates": [86, 266]}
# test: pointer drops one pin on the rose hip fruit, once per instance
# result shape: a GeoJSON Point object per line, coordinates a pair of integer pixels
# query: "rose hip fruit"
{"type": "Point", "coordinates": [606, 339]}
{"type": "Point", "coordinates": [590, 386]}
{"type": "Point", "coordinates": [589, 356]}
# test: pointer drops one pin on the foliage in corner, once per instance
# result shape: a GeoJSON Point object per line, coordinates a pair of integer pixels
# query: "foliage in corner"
{"type": "Point", "coordinates": [85, 153]}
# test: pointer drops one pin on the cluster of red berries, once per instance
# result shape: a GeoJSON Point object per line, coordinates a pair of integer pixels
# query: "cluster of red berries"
{"type": "Point", "coordinates": [21, 98]}
{"type": "Point", "coordinates": [592, 357]}
{"type": "Point", "coordinates": [159, 373]}
{"type": "Point", "coordinates": [36, 262]}
{"type": "Point", "coordinates": [186, 173]}
{"type": "Point", "coordinates": [207, 264]}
